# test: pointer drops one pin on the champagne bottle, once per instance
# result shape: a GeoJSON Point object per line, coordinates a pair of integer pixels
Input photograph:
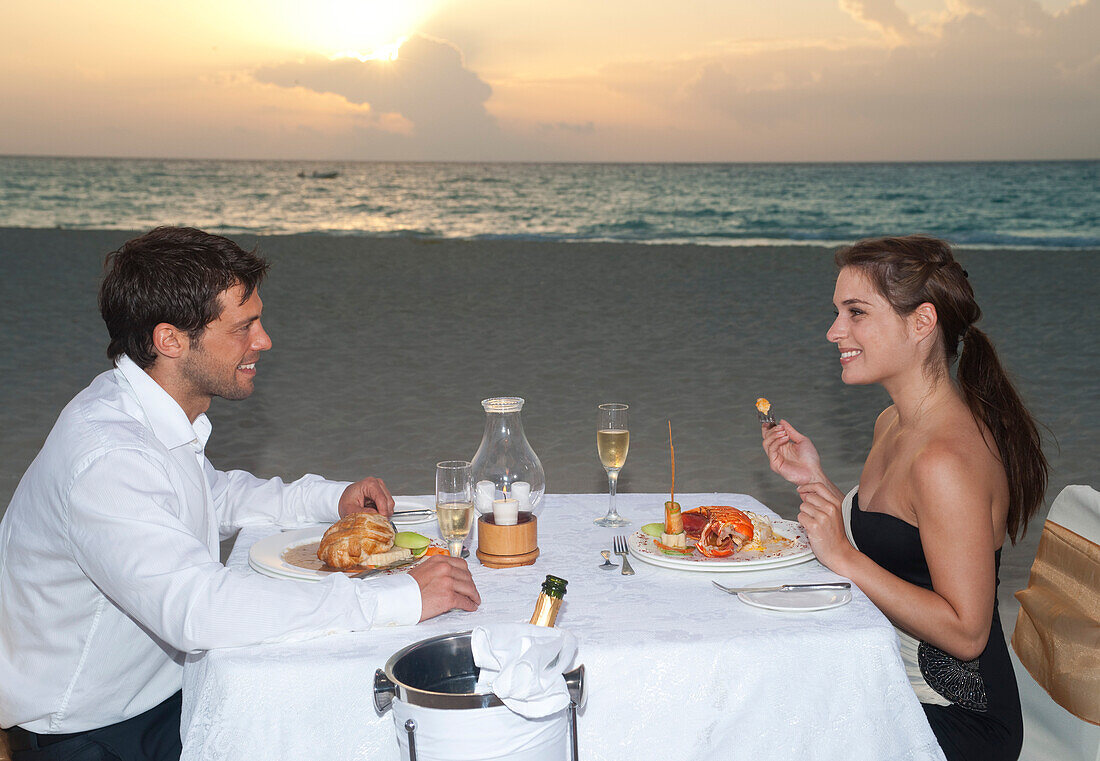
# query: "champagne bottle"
{"type": "Point", "coordinates": [546, 607]}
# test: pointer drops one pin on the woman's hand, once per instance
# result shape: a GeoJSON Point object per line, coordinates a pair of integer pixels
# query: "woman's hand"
{"type": "Point", "coordinates": [791, 454]}
{"type": "Point", "coordinates": [821, 515]}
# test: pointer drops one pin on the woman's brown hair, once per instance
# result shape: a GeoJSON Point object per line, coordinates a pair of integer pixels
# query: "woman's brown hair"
{"type": "Point", "coordinates": [917, 269]}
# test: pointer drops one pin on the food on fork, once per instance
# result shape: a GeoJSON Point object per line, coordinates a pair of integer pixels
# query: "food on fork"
{"type": "Point", "coordinates": [355, 539]}
{"type": "Point", "coordinates": [764, 412]}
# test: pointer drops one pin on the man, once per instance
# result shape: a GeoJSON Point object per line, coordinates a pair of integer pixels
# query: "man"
{"type": "Point", "coordinates": [109, 550]}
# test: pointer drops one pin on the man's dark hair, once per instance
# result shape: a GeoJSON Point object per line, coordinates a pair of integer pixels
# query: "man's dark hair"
{"type": "Point", "coordinates": [172, 275]}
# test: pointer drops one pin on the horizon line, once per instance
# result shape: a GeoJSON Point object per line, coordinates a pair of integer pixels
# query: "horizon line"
{"type": "Point", "coordinates": [564, 162]}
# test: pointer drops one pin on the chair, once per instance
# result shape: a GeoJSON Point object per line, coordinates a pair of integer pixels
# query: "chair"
{"type": "Point", "coordinates": [1056, 641]}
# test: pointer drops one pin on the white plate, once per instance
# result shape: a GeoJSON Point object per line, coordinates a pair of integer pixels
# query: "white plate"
{"type": "Point", "coordinates": [798, 551]}
{"type": "Point", "coordinates": [276, 575]}
{"type": "Point", "coordinates": [266, 555]}
{"type": "Point", "coordinates": [404, 503]}
{"type": "Point", "coordinates": [798, 600]}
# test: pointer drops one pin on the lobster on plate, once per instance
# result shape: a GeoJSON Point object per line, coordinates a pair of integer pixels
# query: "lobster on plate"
{"type": "Point", "coordinates": [718, 530]}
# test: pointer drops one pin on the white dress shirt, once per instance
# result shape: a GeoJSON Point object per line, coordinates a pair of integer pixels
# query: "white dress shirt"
{"type": "Point", "coordinates": [109, 562]}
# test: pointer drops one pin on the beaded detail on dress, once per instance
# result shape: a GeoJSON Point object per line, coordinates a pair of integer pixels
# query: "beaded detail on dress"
{"type": "Point", "coordinates": [958, 681]}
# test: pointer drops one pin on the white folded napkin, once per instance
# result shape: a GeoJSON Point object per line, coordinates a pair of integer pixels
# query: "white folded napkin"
{"type": "Point", "coordinates": [522, 664]}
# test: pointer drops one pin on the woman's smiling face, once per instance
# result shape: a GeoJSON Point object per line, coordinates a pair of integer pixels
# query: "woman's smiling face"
{"type": "Point", "coordinates": [874, 341]}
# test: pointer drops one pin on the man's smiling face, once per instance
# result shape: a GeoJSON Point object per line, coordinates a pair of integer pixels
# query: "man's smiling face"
{"type": "Point", "coordinates": [222, 360]}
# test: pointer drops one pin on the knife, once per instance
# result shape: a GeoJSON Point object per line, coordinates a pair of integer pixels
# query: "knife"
{"type": "Point", "coordinates": [786, 587]}
{"type": "Point", "coordinates": [381, 568]}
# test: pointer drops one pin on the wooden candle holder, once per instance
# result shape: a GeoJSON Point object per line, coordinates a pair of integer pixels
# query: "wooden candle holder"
{"type": "Point", "coordinates": [507, 546]}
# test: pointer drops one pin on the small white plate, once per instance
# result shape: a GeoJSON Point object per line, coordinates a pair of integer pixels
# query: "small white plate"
{"type": "Point", "coordinates": [797, 600]}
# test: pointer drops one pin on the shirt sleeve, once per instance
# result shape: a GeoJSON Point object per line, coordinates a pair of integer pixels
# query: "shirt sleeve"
{"type": "Point", "coordinates": [241, 499]}
{"type": "Point", "coordinates": [129, 533]}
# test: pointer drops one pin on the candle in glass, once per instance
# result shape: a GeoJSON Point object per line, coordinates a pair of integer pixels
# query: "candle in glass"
{"type": "Point", "coordinates": [505, 512]}
{"type": "Point", "coordinates": [521, 493]}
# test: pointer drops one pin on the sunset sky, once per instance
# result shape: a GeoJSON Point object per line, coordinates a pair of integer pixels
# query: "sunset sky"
{"type": "Point", "coordinates": [576, 80]}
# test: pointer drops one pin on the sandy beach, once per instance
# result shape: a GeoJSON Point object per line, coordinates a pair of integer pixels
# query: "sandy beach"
{"type": "Point", "coordinates": [383, 349]}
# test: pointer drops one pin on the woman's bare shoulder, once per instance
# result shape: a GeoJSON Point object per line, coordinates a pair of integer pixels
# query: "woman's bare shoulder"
{"type": "Point", "coordinates": [942, 457]}
{"type": "Point", "coordinates": [952, 466]}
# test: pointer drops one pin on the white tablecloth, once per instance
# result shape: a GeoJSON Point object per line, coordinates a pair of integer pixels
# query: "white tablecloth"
{"type": "Point", "coordinates": [675, 668]}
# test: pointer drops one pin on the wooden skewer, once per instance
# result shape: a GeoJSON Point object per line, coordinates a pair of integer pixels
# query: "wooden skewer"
{"type": "Point", "coordinates": [672, 456]}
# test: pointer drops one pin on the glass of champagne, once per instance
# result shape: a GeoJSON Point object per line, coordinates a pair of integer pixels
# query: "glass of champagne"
{"type": "Point", "coordinates": [454, 502]}
{"type": "Point", "coordinates": [612, 442]}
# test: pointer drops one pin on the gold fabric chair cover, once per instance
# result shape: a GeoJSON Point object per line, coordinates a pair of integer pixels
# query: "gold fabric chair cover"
{"type": "Point", "coordinates": [1057, 635]}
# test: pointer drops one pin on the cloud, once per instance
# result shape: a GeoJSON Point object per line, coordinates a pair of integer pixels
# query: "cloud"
{"type": "Point", "coordinates": [883, 15]}
{"type": "Point", "coordinates": [982, 79]}
{"type": "Point", "coordinates": [996, 79]}
{"type": "Point", "coordinates": [579, 128]}
{"type": "Point", "coordinates": [441, 102]}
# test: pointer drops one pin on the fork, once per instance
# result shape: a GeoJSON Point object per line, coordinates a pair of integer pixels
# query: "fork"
{"type": "Point", "coordinates": [619, 545]}
{"type": "Point", "coordinates": [382, 568]}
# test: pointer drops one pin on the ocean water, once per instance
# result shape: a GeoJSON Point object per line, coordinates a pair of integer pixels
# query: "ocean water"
{"type": "Point", "coordinates": [976, 205]}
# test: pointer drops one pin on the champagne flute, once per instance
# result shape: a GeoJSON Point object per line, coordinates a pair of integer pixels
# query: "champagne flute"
{"type": "Point", "coordinates": [612, 442]}
{"type": "Point", "coordinates": [454, 502]}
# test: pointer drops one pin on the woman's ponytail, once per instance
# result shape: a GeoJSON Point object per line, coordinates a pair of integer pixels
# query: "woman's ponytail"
{"type": "Point", "coordinates": [994, 401]}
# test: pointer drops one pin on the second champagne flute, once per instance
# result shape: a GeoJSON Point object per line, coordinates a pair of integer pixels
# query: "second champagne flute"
{"type": "Point", "coordinates": [612, 442]}
{"type": "Point", "coordinates": [454, 502]}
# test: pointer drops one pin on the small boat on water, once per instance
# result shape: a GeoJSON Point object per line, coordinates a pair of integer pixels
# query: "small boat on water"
{"type": "Point", "coordinates": [320, 175]}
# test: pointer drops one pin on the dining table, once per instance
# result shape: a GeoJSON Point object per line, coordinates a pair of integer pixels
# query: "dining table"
{"type": "Point", "coordinates": [674, 666]}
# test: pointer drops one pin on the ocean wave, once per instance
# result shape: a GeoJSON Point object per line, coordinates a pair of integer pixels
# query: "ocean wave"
{"type": "Point", "coordinates": [626, 227]}
{"type": "Point", "coordinates": [664, 237]}
{"type": "Point", "coordinates": [979, 239]}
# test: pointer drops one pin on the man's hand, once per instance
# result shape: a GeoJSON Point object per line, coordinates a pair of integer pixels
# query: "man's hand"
{"type": "Point", "coordinates": [445, 584]}
{"type": "Point", "coordinates": [367, 496]}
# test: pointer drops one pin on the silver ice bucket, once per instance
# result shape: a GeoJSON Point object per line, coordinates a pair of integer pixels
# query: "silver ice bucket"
{"type": "Point", "coordinates": [438, 674]}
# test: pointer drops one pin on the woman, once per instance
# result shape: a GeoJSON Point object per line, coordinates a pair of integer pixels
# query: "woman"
{"type": "Point", "coordinates": [954, 468]}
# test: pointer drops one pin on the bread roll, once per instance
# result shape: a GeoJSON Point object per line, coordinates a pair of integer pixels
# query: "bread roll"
{"type": "Point", "coordinates": [349, 541]}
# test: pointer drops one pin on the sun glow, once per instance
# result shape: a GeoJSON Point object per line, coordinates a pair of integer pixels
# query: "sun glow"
{"type": "Point", "coordinates": [383, 53]}
{"type": "Point", "coordinates": [344, 28]}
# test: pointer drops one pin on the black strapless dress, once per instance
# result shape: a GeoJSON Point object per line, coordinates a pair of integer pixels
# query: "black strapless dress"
{"type": "Point", "coordinates": [983, 721]}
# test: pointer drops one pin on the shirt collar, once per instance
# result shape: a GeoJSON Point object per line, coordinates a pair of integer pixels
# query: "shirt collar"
{"type": "Point", "coordinates": [167, 419]}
